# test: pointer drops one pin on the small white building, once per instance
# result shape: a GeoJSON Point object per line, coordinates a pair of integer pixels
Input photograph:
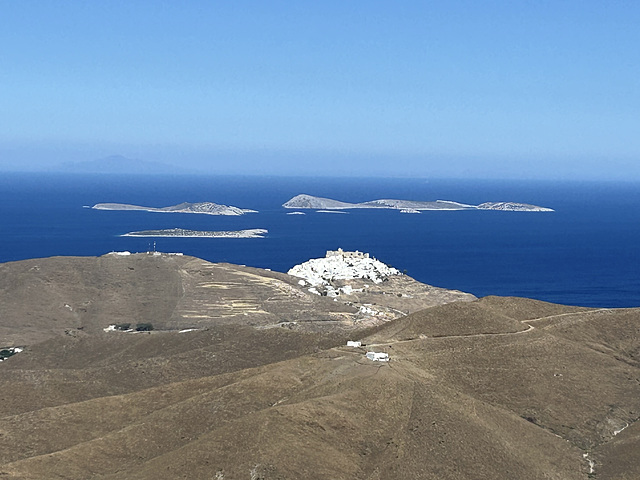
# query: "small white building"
{"type": "Point", "coordinates": [351, 343]}
{"type": "Point", "coordinates": [378, 356]}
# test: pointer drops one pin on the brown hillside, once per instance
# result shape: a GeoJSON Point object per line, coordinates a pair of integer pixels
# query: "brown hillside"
{"type": "Point", "coordinates": [499, 388]}
{"type": "Point", "coordinates": [41, 298]}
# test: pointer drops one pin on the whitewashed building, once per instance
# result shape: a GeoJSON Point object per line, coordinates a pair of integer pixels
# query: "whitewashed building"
{"type": "Point", "coordinates": [378, 356]}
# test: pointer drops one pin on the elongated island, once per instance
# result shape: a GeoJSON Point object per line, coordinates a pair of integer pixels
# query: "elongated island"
{"type": "Point", "coordinates": [205, 208]}
{"type": "Point", "coordinates": [303, 201]}
{"type": "Point", "coordinates": [181, 232]}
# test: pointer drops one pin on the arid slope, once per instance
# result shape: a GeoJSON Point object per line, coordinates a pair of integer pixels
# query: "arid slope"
{"type": "Point", "coordinates": [498, 388]}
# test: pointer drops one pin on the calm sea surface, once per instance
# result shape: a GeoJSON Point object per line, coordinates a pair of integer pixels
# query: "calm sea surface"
{"type": "Point", "coordinates": [585, 253]}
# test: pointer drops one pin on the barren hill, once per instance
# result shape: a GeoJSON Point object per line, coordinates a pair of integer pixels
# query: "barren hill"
{"type": "Point", "coordinates": [497, 388]}
{"type": "Point", "coordinates": [82, 295]}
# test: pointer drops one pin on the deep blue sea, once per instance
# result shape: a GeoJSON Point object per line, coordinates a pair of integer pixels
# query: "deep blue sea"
{"type": "Point", "coordinates": [587, 252]}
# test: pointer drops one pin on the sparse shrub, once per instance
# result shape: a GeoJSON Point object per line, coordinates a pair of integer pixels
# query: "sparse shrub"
{"type": "Point", "coordinates": [123, 326]}
{"type": "Point", "coordinates": [143, 327]}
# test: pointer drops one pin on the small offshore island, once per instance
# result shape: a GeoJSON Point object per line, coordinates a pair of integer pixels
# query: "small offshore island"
{"type": "Point", "coordinates": [407, 206]}
{"type": "Point", "coordinates": [181, 232]}
{"type": "Point", "coordinates": [206, 208]}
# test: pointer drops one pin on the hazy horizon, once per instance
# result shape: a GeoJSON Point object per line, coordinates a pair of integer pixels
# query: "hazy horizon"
{"type": "Point", "coordinates": [337, 166]}
{"type": "Point", "coordinates": [430, 89]}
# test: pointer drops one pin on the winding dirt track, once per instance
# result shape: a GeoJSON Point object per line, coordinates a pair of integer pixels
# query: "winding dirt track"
{"type": "Point", "coordinates": [499, 334]}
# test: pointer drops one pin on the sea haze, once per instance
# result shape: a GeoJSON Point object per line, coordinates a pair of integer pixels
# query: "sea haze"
{"type": "Point", "coordinates": [584, 253]}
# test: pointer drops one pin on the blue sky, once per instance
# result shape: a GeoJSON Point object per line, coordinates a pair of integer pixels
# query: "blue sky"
{"type": "Point", "coordinates": [502, 89]}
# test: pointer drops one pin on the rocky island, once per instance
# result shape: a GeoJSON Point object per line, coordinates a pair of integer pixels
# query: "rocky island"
{"type": "Point", "coordinates": [407, 206]}
{"type": "Point", "coordinates": [512, 207]}
{"type": "Point", "coordinates": [181, 232]}
{"type": "Point", "coordinates": [206, 208]}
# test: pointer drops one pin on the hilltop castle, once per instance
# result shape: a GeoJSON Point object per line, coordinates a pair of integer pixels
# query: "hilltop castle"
{"type": "Point", "coordinates": [343, 254]}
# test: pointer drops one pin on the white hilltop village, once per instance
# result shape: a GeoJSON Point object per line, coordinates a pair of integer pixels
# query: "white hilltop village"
{"type": "Point", "coordinates": [340, 265]}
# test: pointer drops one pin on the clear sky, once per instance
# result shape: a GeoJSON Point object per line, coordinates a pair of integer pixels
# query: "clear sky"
{"type": "Point", "coordinates": [512, 88]}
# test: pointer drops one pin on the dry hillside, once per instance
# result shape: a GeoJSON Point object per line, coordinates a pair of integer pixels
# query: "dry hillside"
{"type": "Point", "coordinates": [262, 385]}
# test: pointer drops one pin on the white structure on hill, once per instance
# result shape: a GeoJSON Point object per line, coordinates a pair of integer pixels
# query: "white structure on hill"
{"type": "Point", "coordinates": [343, 254]}
{"type": "Point", "coordinates": [341, 265]}
{"type": "Point", "coordinates": [378, 356]}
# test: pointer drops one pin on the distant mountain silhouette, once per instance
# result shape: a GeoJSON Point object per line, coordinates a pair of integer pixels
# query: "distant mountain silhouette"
{"type": "Point", "coordinates": [119, 164]}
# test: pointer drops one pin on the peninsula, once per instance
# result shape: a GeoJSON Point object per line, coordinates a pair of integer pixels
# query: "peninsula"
{"type": "Point", "coordinates": [206, 208]}
{"type": "Point", "coordinates": [181, 232]}
{"type": "Point", "coordinates": [407, 206]}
